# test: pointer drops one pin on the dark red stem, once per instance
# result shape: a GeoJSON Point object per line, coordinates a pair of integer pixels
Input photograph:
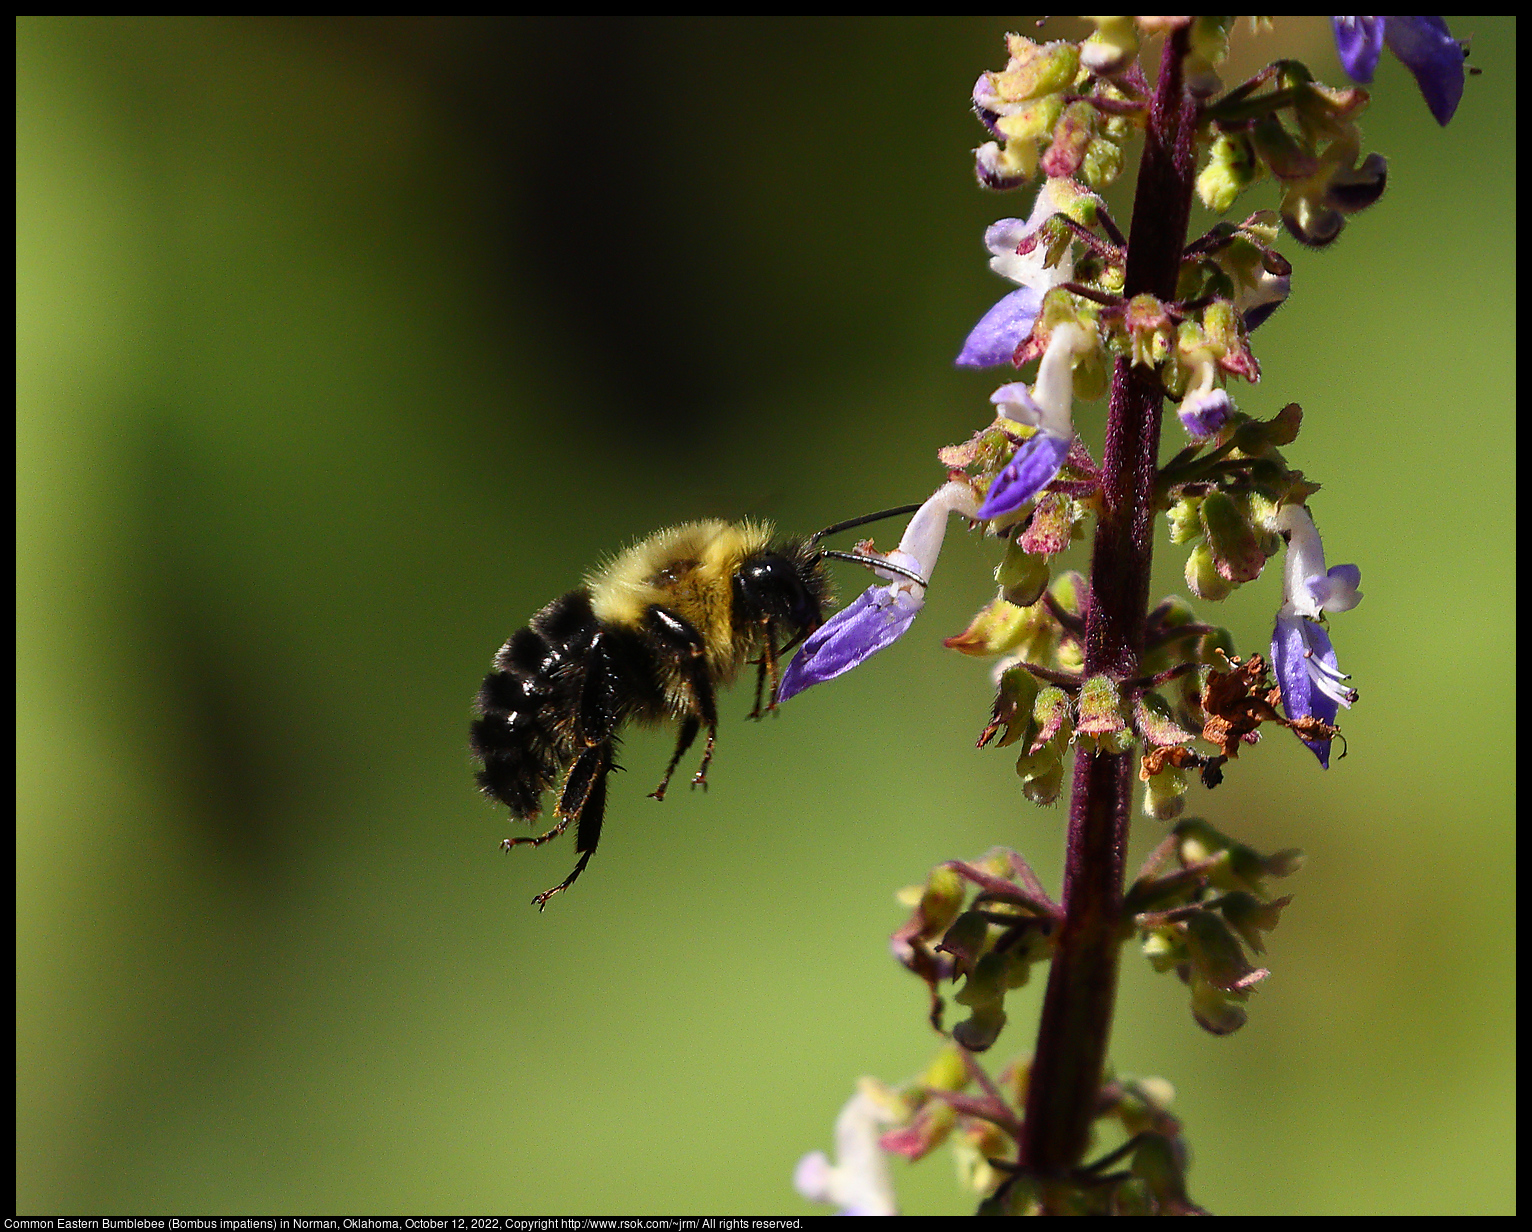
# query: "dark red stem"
{"type": "Point", "coordinates": [1076, 1022]}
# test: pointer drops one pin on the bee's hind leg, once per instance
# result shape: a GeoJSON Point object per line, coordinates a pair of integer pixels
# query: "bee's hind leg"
{"type": "Point", "coordinates": [584, 800]}
{"type": "Point", "coordinates": [689, 728]}
{"type": "Point", "coordinates": [541, 900]}
{"type": "Point", "coordinates": [507, 843]}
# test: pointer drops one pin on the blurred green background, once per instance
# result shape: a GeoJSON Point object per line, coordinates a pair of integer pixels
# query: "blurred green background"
{"type": "Point", "coordinates": [343, 345]}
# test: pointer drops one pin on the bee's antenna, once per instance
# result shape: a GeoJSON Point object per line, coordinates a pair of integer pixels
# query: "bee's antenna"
{"type": "Point", "coordinates": [876, 562]}
{"type": "Point", "coordinates": [861, 521]}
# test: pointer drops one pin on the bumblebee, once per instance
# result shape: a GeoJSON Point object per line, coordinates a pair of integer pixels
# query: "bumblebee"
{"type": "Point", "coordinates": [652, 636]}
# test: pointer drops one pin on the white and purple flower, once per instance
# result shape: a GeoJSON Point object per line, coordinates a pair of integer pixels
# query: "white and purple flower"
{"type": "Point", "coordinates": [1301, 654]}
{"type": "Point", "coordinates": [1005, 326]}
{"type": "Point", "coordinates": [1207, 405]}
{"type": "Point", "coordinates": [881, 614]}
{"type": "Point", "coordinates": [860, 1181]}
{"type": "Point", "coordinates": [1423, 45]}
{"type": "Point", "coordinates": [1049, 407]}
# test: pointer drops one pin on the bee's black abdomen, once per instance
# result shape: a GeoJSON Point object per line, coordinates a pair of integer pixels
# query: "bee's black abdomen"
{"type": "Point", "coordinates": [522, 735]}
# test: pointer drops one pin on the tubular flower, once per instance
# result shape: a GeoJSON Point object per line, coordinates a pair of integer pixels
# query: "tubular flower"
{"type": "Point", "coordinates": [1261, 296]}
{"type": "Point", "coordinates": [1206, 406]}
{"type": "Point", "coordinates": [860, 1181]}
{"type": "Point", "coordinates": [1304, 660]}
{"type": "Point", "coordinates": [1005, 326]}
{"type": "Point", "coordinates": [881, 614]}
{"type": "Point", "coordinates": [1048, 407]}
{"type": "Point", "coordinates": [1423, 45]}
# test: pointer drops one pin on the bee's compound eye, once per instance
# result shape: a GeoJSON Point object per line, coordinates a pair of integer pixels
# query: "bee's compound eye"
{"type": "Point", "coordinates": [770, 585]}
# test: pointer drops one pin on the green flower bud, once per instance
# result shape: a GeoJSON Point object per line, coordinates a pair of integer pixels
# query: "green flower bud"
{"type": "Point", "coordinates": [1158, 1164]}
{"type": "Point", "coordinates": [1101, 720]}
{"type": "Point", "coordinates": [1280, 151]}
{"type": "Point", "coordinates": [941, 900]}
{"type": "Point", "coordinates": [1245, 869]}
{"type": "Point", "coordinates": [1215, 647]}
{"type": "Point", "coordinates": [981, 1028]}
{"type": "Point", "coordinates": [1015, 696]}
{"type": "Point", "coordinates": [1231, 168]}
{"type": "Point", "coordinates": [1216, 954]}
{"type": "Point", "coordinates": [1250, 917]}
{"type": "Point", "coordinates": [984, 994]}
{"type": "Point", "coordinates": [1036, 69]}
{"type": "Point", "coordinates": [1185, 519]}
{"type": "Point", "coordinates": [1282, 428]}
{"type": "Point", "coordinates": [1054, 718]}
{"type": "Point", "coordinates": [1042, 776]}
{"type": "Point", "coordinates": [1132, 1196]}
{"type": "Point", "coordinates": [1148, 328]}
{"type": "Point", "coordinates": [1070, 656]}
{"type": "Point", "coordinates": [967, 940]}
{"type": "Point", "coordinates": [1165, 794]}
{"type": "Point", "coordinates": [996, 629]}
{"type": "Point", "coordinates": [1221, 325]}
{"type": "Point", "coordinates": [947, 1071]}
{"type": "Point", "coordinates": [1112, 48]}
{"type": "Point", "coordinates": [1068, 589]}
{"type": "Point", "coordinates": [1216, 1011]}
{"type": "Point", "coordinates": [1154, 720]}
{"type": "Point", "coordinates": [1093, 374]}
{"type": "Point", "coordinates": [1202, 576]}
{"type": "Point", "coordinates": [1032, 122]}
{"type": "Point", "coordinates": [1103, 162]}
{"type": "Point", "coordinates": [1023, 576]}
{"type": "Point", "coordinates": [1023, 1196]}
{"type": "Point", "coordinates": [1231, 540]}
{"type": "Point", "coordinates": [1164, 949]}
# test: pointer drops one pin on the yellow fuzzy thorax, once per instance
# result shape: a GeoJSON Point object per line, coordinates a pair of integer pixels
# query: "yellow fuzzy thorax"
{"type": "Point", "coordinates": [687, 569]}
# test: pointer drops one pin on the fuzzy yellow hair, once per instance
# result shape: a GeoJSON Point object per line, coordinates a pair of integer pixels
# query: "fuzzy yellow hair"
{"type": "Point", "coordinates": [687, 569]}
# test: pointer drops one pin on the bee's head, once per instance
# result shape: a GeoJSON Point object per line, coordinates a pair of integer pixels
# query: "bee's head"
{"type": "Point", "coordinates": [789, 585]}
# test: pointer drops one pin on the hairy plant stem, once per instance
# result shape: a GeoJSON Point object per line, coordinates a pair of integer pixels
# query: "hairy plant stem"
{"type": "Point", "coordinates": [1076, 1021]}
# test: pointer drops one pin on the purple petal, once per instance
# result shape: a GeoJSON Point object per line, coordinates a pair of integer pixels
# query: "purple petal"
{"type": "Point", "coordinates": [1426, 47]}
{"type": "Point", "coordinates": [1292, 642]}
{"type": "Point", "coordinates": [1001, 330]}
{"type": "Point", "coordinates": [1203, 414]}
{"type": "Point", "coordinates": [1031, 468]}
{"type": "Point", "coordinates": [1337, 590]}
{"type": "Point", "coordinates": [873, 620]}
{"type": "Point", "coordinates": [1359, 42]}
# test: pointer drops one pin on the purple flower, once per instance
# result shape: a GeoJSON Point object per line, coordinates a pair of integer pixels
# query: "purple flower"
{"type": "Point", "coordinates": [1031, 468]}
{"type": "Point", "coordinates": [1206, 406]}
{"type": "Point", "coordinates": [1203, 412]}
{"type": "Point", "coordinates": [1001, 330]}
{"type": "Point", "coordinates": [881, 614]}
{"type": "Point", "coordinates": [1301, 654]}
{"type": "Point", "coordinates": [1309, 675]}
{"type": "Point", "coordinates": [1006, 325]}
{"type": "Point", "coordinates": [1048, 406]}
{"type": "Point", "coordinates": [876, 618]}
{"type": "Point", "coordinates": [1423, 45]}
